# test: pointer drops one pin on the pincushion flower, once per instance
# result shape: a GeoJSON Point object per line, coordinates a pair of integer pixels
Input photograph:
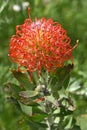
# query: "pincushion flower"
{"type": "Point", "coordinates": [40, 44]}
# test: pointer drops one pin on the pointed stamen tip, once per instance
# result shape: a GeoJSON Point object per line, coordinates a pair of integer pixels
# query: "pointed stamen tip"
{"type": "Point", "coordinates": [77, 41]}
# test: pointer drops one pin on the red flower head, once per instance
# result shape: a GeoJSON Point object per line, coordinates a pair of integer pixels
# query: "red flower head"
{"type": "Point", "coordinates": [40, 44]}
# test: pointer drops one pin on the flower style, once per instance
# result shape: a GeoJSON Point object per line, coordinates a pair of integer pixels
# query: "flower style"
{"type": "Point", "coordinates": [40, 44]}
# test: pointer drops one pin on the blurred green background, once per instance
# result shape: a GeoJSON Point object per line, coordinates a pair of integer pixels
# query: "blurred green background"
{"type": "Point", "coordinates": [72, 15]}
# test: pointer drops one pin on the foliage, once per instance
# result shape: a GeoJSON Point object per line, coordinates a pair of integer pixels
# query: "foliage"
{"type": "Point", "coordinates": [45, 103]}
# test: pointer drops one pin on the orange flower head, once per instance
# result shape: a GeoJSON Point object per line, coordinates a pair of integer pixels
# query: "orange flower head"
{"type": "Point", "coordinates": [40, 44]}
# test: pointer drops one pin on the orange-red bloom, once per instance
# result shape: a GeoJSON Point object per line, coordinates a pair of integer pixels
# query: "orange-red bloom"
{"type": "Point", "coordinates": [40, 44]}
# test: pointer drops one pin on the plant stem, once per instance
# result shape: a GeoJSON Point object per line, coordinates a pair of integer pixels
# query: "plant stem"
{"type": "Point", "coordinates": [48, 110]}
{"type": "Point", "coordinates": [48, 123]}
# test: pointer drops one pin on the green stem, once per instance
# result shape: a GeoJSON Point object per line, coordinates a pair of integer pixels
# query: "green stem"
{"type": "Point", "coordinates": [48, 123]}
{"type": "Point", "coordinates": [50, 119]}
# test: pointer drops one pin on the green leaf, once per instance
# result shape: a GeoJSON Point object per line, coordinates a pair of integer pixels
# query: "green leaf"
{"type": "Point", "coordinates": [38, 114]}
{"type": "Point", "coordinates": [4, 4]}
{"type": "Point", "coordinates": [64, 75]}
{"type": "Point", "coordinates": [39, 117]}
{"type": "Point", "coordinates": [28, 94]}
{"type": "Point", "coordinates": [35, 77]}
{"type": "Point", "coordinates": [60, 79]}
{"type": "Point", "coordinates": [23, 79]}
{"type": "Point", "coordinates": [76, 127]}
{"type": "Point", "coordinates": [36, 125]}
{"type": "Point", "coordinates": [82, 119]}
{"type": "Point", "coordinates": [38, 110]}
{"type": "Point", "coordinates": [63, 112]}
{"type": "Point", "coordinates": [29, 102]}
{"type": "Point", "coordinates": [26, 109]}
{"type": "Point", "coordinates": [67, 122]}
{"type": "Point", "coordinates": [32, 104]}
{"type": "Point", "coordinates": [50, 99]}
{"type": "Point", "coordinates": [15, 89]}
{"type": "Point", "coordinates": [15, 102]}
